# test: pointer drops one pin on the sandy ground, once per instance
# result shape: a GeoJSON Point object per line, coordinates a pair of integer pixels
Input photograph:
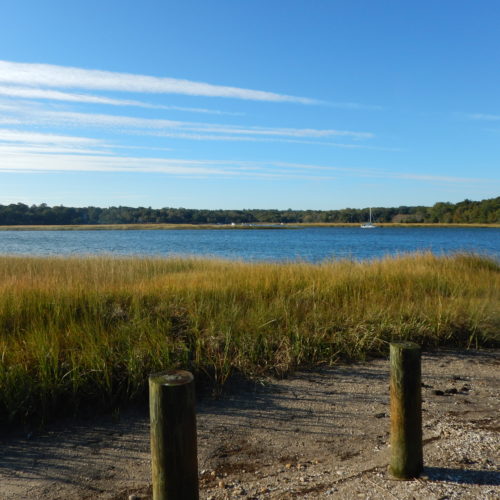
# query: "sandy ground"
{"type": "Point", "coordinates": [317, 434]}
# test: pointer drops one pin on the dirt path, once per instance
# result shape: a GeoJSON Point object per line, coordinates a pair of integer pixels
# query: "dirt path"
{"type": "Point", "coordinates": [320, 434]}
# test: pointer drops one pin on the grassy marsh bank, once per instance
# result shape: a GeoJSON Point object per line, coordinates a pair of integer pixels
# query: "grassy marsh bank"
{"type": "Point", "coordinates": [76, 332]}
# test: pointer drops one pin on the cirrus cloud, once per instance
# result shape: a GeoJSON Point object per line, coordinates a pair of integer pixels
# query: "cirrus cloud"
{"type": "Point", "coordinates": [49, 75]}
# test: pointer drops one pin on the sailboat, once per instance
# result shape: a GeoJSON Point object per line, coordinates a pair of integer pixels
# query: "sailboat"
{"type": "Point", "coordinates": [368, 225]}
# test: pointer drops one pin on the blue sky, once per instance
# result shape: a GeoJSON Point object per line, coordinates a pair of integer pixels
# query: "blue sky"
{"type": "Point", "coordinates": [249, 103]}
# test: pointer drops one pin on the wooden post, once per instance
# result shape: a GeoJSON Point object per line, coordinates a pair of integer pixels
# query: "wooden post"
{"type": "Point", "coordinates": [173, 436]}
{"type": "Point", "coordinates": [406, 411]}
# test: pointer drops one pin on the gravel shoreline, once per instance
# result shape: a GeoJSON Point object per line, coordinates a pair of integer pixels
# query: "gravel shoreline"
{"type": "Point", "coordinates": [317, 434]}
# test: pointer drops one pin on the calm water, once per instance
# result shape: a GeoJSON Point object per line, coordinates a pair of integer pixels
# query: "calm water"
{"type": "Point", "coordinates": [311, 244]}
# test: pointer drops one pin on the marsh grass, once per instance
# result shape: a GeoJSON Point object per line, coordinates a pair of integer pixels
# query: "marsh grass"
{"type": "Point", "coordinates": [80, 333]}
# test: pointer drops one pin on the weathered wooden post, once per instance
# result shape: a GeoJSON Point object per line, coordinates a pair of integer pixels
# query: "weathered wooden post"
{"type": "Point", "coordinates": [406, 411]}
{"type": "Point", "coordinates": [173, 436]}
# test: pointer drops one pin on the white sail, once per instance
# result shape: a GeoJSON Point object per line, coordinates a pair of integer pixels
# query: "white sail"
{"type": "Point", "coordinates": [368, 225]}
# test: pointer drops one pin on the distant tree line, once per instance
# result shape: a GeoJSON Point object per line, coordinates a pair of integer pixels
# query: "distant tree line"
{"type": "Point", "coordinates": [485, 211]}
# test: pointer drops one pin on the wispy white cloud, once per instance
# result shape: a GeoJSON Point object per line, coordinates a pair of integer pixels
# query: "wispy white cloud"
{"type": "Point", "coordinates": [10, 120]}
{"type": "Point", "coordinates": [483, 116]}
{"type": "Point", "coordinates": [36, 114]}
{"type": "Point", "coordinates": [16, 149]}
{"type": "Point", "coordinates": [44, 163]}
{"type": "Point", "coordinates": [10, 135]}
{"type": "Point", "coordinates": [354, 105]}
{"type": "Point", "coordinates": [438, 178]}
{"type": "Point", "coordinates": [52, 76]}
{"type": "Point", "coordinates": [202, 110]}
{"type": "Point", "coordinates": [57, 95]}
{"type": "Point", "coordinates": [184, 129]}
{"type": "Point", "coordinates": [19, 142]}
{"type": "Point", "coordinates": [31, 160]}
{"type": "Point", "coordinates": [95, 163]}
{"type": "Point", "coordinates": [386, 174]}
{"type": "Point", "coordinates": [274, 139]}
{"type": "Point", "coordinates": [287, 132]}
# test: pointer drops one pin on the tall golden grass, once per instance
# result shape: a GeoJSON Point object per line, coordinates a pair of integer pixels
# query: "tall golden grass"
{"type": "Point", "coordinates": [80, 332]}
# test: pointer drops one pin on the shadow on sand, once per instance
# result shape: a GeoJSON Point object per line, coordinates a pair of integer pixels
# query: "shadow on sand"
{"type": "Point", "coordinates": [462, 476]}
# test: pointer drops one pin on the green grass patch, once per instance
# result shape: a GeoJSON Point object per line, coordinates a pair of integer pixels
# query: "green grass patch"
{"type": "Point", "coordinates": [80, 333]}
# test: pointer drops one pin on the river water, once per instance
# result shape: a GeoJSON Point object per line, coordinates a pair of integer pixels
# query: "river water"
{"type": "Point", "coordinates": [308, 244]}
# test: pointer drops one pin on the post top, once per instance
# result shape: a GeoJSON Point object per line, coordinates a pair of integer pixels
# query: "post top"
{"type": "Point", "coordinates": [172, 377]}
{"type": "Point", "coordinates": [405, 344]}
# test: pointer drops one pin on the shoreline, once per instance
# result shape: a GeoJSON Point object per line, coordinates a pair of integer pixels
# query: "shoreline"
{"type": "Point", "coordinates": [252, 226]}
{"type": "Point", "coordinates": [318, 434]}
